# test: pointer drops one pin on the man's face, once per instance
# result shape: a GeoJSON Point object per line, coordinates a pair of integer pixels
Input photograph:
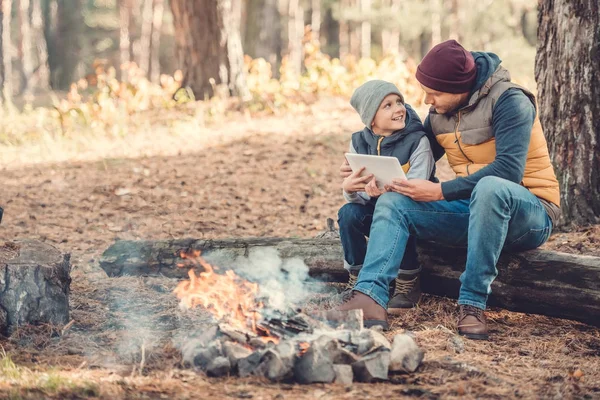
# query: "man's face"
{"type": "Point", "coordinates": [390, 116]}
{"type": "Point", "coordinates": [443, 102]}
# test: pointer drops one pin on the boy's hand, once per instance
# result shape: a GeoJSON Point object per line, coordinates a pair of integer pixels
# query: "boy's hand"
{"type": "Point", "coordinates": [356, 183]}
{"type": "Point", "coordinates": [345, 170]}
{"type": "Point", "coordinates": [372, 190]}
{"type": "Point", "coordinates": [417, 189]}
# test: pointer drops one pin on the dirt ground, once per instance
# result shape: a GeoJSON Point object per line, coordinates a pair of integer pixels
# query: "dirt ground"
{"type": "Point", "coordinates": [274, 176]}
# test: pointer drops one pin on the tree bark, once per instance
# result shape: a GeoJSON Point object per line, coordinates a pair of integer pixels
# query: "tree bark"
{"type": "Point", "coordinates": [34, 285]}
{"type": "Point", "coordinates": [207, 49]}
{"type": "Point", "coordinates": [315, 20]}
{"type": "Point", "coordinates": [25, 43]}
{"type": "Point", "coordinates": [436, 22]}
{"type": "Point", "coordinates": [43, 69]}
{"type": "Point", "coordinates": [344, 30]}
{"type": "Point", "coordinates": [295, 35]}
{"type": "Point", "coordinates": [365, 29]}
{"type": "Point", "coordinates": [537, 281]}
{"type": "Point", "coordinates": [63, 27]}
{"type": "Point", "coordinates": [567, 70]}
{"type": "Point", "coordinates": [125, 44]}
{"type": "Point", "coordinates": [157, 18]}
{"type": "Point", "coordinates": [146, 37]}
{"type": "Point", "coordinates": [1, 48]}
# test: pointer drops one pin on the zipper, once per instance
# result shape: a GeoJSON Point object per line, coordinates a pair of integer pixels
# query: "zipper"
{"type": "Point", "coordinates": [379, 145]}
{"type": "Point", "coordinates": [458, 142]}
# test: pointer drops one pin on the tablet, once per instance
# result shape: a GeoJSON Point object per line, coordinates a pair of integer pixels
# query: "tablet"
{"type": "Point", "coordinates": [384, 168]}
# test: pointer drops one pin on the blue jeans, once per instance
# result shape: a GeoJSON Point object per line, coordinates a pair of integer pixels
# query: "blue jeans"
{"type": "Point", "coordinates": [500, 215]}
{"type": "Point", "coordinates": [355, 225]}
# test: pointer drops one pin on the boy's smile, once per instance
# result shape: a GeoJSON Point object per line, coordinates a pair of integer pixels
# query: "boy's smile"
{"type": "Point", "coordinates": [390, 116]}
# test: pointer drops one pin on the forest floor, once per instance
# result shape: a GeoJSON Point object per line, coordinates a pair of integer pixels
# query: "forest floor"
{"type": "Point", "coordinates": [244, 176]}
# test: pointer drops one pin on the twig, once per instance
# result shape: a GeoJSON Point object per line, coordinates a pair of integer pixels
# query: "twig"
{"type": "Point", "coordinates": [143, 361]}
{"type": "Point", "coordinates": [66, 328]}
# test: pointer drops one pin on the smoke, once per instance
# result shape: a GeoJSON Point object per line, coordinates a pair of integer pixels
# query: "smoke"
{"type": "Point", "coordinates": [283, 284]}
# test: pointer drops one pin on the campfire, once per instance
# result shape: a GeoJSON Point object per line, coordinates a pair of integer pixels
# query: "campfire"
{"type": "Point", "coordinates": [282, 345]}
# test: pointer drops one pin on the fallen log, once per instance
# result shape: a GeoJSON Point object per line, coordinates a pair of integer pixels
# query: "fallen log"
{"type": "Point", "coordinates": [536, 281]}
{"type": "Point", "coordinates": [34, 285]}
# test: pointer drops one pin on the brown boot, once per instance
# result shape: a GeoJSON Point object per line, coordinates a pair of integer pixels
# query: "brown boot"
{"type": "Point", "coordinates": [347, 293]}
{"type": "Point", "coordinates": [472, 323]}
{"type": "Point", "coordinates": [406, 295]}
{"type": "Point", "coordinates": [373, 313]}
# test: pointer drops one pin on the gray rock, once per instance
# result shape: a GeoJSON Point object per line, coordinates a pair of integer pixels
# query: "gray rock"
{"type": "Point", "coordinates": [247, 366]}
{"type": "Point", "coordinates": [204, 355]}
{"type": "Point", "coordinates": [235, 352]}
{"type": "Point", "coordinates": [220, 366]}
{"type": "Point", "coordinates": [316, 365]}
{"type": "Point", "coordinates": [372, 367]}
{"type": "Point", "coordinates": [343, 374]}
{"type": "Point", "coordinates": [406, 356]}
{"type": "Point", "coordinates": [272, 367]}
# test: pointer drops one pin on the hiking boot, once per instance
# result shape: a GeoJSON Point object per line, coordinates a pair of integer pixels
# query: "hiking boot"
{"type": "Point", "coordinates": [472, 323]}
{"type": "Point", "coordinates": [373, 313]}
{"type": "Point", "coordinates": [352, 279]}
{"type": "Point", "coordinates": [407, 293]}
{"type": "Point", "coordinates": [347, 292]}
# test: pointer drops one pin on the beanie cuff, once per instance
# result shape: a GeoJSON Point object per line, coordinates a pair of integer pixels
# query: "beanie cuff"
{"type": "Point", "coordinates": [454, 86]}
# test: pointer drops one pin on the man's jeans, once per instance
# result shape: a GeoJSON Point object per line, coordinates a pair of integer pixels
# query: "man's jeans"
{"type": "Point", "coordinates": [500, 214]}
{"type": "Point", "coordinates": [355, 225]}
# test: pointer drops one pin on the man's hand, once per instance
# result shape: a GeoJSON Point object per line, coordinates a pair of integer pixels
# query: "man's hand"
{"type": "Point", "coordinates": [356, 183]}
{"type": "Point", "coordinates": [417, 189]}
{"type": "Point", "coordinates": [372, 190]}
{"type": "Point", "coordinates": [345, 170]}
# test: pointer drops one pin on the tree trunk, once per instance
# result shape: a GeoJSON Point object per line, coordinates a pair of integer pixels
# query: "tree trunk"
{"type": "Point", "coordinates": [436, 22]}
{"type": "Point", "coordinates": [146, 37]}
{"type": "Point", "coordinates": [25, 43]}
{"type": "Point", "coordinates": [315, 20]}
{"type": "Point", "coordinates": [344, 30]}
{"type": "Point", "coordinates": [365, 29]}
{"type": "Point", "coordinates": [63, 27]}
{"type": "Point", "coordinates": [232, 16]}
{"type": "Point", "coordinates": [205, 51]}
{"type": "Point", "coordinates": [1, 48]}
{"type": "Point", "coordinates": [157, 18]}
{"type": "Point", "coordinates": [538, 281]}
{"type": "Point", "coordinates": [34, 285]}
{"type": "Point", "coordinates": [295, 35]}
{"type": "Point", "coordinates": [567, 70]}
{"type": "Point", "coordinates": [43, 70]}
{"type": "Point", "coordinates": [453, 20]}
{"type": "Point", "coordinates": [390, 38]}
{"type": "Point", "coordinates": [125, 44]}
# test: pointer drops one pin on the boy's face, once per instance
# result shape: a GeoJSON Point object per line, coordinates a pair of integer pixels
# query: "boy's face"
{"type": "Point", "coordinates": [390, 116]}
{"type": "Point", "coordinates": [443, 102]}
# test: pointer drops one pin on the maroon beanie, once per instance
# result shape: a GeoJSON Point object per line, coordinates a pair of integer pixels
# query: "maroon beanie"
{"type": "Point", "coordinates": [448, 68]}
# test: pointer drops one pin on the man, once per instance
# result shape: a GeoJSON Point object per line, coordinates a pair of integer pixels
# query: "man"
{"type": "Point", "coordinates": [505, 196]}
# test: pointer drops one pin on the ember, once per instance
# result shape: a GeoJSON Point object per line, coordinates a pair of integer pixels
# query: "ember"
{"type": "Point", "coordinates": [327, 346]}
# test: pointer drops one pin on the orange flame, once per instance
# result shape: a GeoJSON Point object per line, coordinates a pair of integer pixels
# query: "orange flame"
{"type": "Point", "coordinates": [227, 296]}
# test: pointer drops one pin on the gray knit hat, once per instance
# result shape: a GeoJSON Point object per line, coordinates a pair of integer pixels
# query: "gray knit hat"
{"type": "Point", "coordinates": [367, 98]}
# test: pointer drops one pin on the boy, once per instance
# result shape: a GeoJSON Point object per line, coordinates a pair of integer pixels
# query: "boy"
{"type": "Point", "coordinates": [392, 128]}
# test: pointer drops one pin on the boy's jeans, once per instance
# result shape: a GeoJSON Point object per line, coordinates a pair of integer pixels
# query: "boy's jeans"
{"type": "Point", "coordinates": [355, 221]}
{"type": "Point", "coordinates": [500, 214]}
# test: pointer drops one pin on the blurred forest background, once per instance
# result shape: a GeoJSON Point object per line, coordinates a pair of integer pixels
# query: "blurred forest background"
{"type": "Point", "coordinates": [74, 69]}
{"type": "Point", "coordinates": [49, 44]}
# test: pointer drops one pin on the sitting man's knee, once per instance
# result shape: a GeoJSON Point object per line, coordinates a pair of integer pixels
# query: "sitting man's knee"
{"type": "Point", "coordinates": [350, 213]}
{"type": "Point", "coordinates": [490, 187]}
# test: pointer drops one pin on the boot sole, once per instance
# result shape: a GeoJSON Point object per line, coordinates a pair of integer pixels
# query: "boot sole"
{"type": "Point", "coordinates": [369, 323]}
{"type": "Point", "coordinates": [475, 336]}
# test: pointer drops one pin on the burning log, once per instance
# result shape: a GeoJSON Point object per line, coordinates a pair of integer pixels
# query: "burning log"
{"type": "Point", "coordinates": [536, 281]}
{"type": "Point", "coordinates": [34, 285]}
